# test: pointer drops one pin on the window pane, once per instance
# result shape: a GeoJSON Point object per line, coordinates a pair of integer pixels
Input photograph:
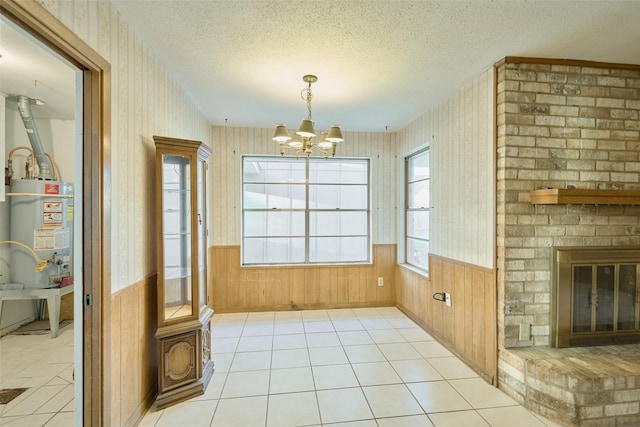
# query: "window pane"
{"type": "Point", "coordinates": [418, 166]}
{"type": "Point", "coordinates": [269, 196]}
{"type": "Point", "coordinates": [338, 171]}
{"type": "Point", "coordinates": [582, 284]}
{"type": "Point", "coordinates": [273, 223]}
{"type": "Point", "coordinates": [418, 195]}
{"type": "Point", "coordinates": [605, 288]}
{"type": "Point", "coordinates": [338, 249]}
{"type": "Point", "coordinates": [418, 253]}
{"type": "Point", "coordinates": [337, 196]}
{"type": "Point", "coordinates": [273, 250]}
{"type": "Point", "coordinates": [418, 224]}
{"type": "Point", "coordinates": [273, 170]}
{"type": "Point", "coordinates": [337, 223]}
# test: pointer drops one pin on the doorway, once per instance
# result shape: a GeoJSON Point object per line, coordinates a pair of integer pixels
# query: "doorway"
{"type": "Point", "coordinates": [92, 310]}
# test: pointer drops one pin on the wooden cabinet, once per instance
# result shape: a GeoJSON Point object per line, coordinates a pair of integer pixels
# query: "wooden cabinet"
{"type": "Point", "coordinates": [185, 366]}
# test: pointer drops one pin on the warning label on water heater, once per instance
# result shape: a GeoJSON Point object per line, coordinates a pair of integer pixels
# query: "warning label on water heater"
{"type": "Point", "coordinates": [52, 214]}
{"type": "Point", "coordinates": [50, 238]}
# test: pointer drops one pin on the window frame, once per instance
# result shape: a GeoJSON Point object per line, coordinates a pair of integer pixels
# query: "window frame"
{"type": "Point", "coordinates": [403, 193]}
{"type": "Point", "coordinates": [307, 211]}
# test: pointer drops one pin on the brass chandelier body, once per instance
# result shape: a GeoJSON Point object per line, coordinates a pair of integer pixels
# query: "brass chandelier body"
{"type": "Point", "coordinates": [302, 140]}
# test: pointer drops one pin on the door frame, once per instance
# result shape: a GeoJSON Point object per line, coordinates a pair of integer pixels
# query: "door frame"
{"type": "Point", "coordinates": [96, 190]}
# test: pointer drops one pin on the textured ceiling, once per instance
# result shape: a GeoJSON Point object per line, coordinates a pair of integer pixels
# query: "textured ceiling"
{"type": "Point", "coordinates": [379, 63]}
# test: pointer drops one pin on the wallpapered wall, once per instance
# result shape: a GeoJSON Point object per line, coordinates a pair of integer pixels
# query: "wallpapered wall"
{"type": "Point", "coordinates": [460, 134]}
{"type": "Point", "coordinates": [146, 101]}
{"type": "Point", "coordinates": [230, 143]}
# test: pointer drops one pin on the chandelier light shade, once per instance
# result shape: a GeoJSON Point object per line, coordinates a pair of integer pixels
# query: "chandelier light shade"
{"type": "Point", "coordinates": [302, 139]}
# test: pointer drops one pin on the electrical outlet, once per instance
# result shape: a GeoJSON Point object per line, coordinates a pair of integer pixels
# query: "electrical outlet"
{"type": "Point", "coordinates": [447, 299]}
{"type": "Point", "coordinates": [380, 281]}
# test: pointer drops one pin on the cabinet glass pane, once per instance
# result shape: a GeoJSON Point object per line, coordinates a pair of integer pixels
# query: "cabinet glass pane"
{"type": "Point", "coordinates": [176, 220]}
{"type": "Point", "coordinates": [202, 235]}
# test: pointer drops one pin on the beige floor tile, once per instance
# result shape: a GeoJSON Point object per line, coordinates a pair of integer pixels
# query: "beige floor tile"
{"type": "Point", "coordinates": [285, 342]}
{"type": "Point", "coordinates": [363, 423]}
{"type": "Point", "coordinates": [58, 401]}
{"type": "Point", "coordinates": [257, 343]}
{"type": "Point", "coordinates": [244, 384]}
{"type": "Point", "coordinates": [224, 345]}
{"type": "Point", "coordinates": [419, 370]}
{"type": "Point", "coordinates": [411, 421]}
{"type": "Point", "coordinates": [192, 414]}
{"type": "Point", "coordinates": [510, 416]}
{"type": "Point", "coordinates": [399, 351]}
{"type": "Point", "coordinates": [291, 380]}
{"type": "Point", "coordinates": [251, 361]}
{"type": "Point", "coordinates": [414, 334]}
{"type": "Point", "coordinates": [375, 373]}
{"type": "Point", "coordinates": [391, 401]}
{"type": "Point", "coordinates": [401, 322]}
{"type": "Point", "coordinates": [37, 420]}
{"type": "Point", "coordinates": [364, 353]}
{"type": "Point", "coordinates": [222, 361]}
{"type": "Point", "coordinates": [347, 404]}
{"type": "Point", "coordinates": [62, 419]}
{"type": "Point", "coordinates": [150, 418]}
{"type": "Point", "coordinates": [284, 328]}
{"type": "Point", "coordinates": [222, 330]}
{"type": "Point", "coordinates": [214, 389]}
{"type": "Point", "coordinates": [481, 394]}
{"type": "Point", "coordinates": [257, 329]}
{"type": "Point", "coordinates": [293, 358]}
{"type": "Point", "coordinates": [355, 338]}
{"type": "Point", "coordinates": [292, 410]}
{"type": "Point", "coordinates": [311, 315]}
{"type": "Point", "coordinates": [438, 396]}
{"type": "Point", "coordinates": [341, 313]}
{"type": "Point", "coordinates": [347, 325]}
{"type": "Point", "coordinates": [334, 376]}
{"type": "Point", "coordinates": [323, 339]}
{"type": "Point", "coordinates": [29, 402]}
{"type": "Point", "coordinates": [452, 368]}
{"type": "Point", "coordinates": [314, 326]}
{"type": "Point", "coordinates": [385, 336]}
{"type": "Point", "coordinates": [327, 356]}
{"type": "Point", "coordinates": [458, 419]}
{"type": "Point", "coordinates": [431, 349]}
{"type": "Point", "coordinates": [245, 412]}
{"type": "Point", "coordinates": [376, 323]}
{"type": "Point", "coordinates": [287, 316]}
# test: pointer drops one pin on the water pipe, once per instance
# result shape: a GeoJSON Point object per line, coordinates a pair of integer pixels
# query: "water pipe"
{"type": "Point", "coordinates": [41, 264]}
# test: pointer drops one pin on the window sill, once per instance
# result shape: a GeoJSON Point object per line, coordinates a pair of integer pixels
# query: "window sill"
{"type": "Point", "coordinates": [422, 273]}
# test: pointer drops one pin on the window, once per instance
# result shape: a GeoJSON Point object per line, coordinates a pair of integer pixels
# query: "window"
{"type": "Point", "coordinates": [305, 211]}
{"type": "Point", "coordinates": [417, 210]}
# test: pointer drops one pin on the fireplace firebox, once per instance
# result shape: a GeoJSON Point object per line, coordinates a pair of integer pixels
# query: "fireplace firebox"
{"type": "Point", "coordinates": [596, 296]}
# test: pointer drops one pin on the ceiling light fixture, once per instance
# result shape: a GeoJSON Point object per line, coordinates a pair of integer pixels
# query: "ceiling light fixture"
{"type": "Point", "coordinates": [302, 140]}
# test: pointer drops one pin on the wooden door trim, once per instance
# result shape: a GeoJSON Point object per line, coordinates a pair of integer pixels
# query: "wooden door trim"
{"type": "Point", "coordinates": [96, 240]}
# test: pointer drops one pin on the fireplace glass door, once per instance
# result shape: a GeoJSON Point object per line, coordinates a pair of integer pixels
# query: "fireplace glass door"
{"type": "Point", "coordinates": [597, 298]}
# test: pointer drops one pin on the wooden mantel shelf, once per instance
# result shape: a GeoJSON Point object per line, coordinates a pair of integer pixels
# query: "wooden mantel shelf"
{"type": "Point", "coordinates": [571, 196]}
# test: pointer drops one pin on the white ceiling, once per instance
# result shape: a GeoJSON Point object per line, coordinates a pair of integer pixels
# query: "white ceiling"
{"type": "Point", "coordinates": [380, 63]}
{"type": "Point", "coordinates": [29, 68]}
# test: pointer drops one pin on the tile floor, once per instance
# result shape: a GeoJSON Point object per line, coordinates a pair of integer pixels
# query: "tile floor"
{"type": "Point", "coordinates": [344, 368]}
{"type": "Point", "coordinates": [44, 365]}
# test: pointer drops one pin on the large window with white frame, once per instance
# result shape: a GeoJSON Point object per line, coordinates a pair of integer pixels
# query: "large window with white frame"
{"type": "Point", "coordinates": [305, 211]}
{"type": "Point", "coordinates": [417, 209]}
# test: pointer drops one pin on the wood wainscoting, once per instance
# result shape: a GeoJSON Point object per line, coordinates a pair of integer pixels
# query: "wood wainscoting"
{"type": "Point", "coordinates": [134, 362]}
{"type": "Point", "coordinates": [469, 327]}
{"type": "Point", "coordinates": [233, 288]}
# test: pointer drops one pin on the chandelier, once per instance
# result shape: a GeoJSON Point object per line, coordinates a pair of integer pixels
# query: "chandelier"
{"type": "Point", "coordinates": [302, 140]}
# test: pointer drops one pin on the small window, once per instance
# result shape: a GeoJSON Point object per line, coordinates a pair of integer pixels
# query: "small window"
{"type": "Point", "coordinates": [417, 210]}
{"type": "Point", "coordinates": [305, 211]}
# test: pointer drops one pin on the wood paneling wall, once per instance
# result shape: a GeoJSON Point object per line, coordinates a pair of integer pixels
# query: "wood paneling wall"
{"type": "Point", "coordinates": [468, 327]}
{"type": "Point", "coordinates": [134, 349]}
{"type": "Point", "coordinates": [236, 288]}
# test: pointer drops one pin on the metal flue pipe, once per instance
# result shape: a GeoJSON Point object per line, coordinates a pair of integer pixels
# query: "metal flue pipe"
{"type": "Point", "coordinates": [44, 168]}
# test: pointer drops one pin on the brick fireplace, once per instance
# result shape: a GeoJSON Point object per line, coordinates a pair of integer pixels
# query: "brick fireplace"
{"type": "Point", "coordinates": [563, 124]}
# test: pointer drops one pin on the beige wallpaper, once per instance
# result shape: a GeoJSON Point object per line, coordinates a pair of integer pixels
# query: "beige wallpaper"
{"type": "Point", "coordinates": [460, 133]}
{"type": "Point", "coordinates": [146, 101]}
{"type": "Point", "coordinates": [229, 143]}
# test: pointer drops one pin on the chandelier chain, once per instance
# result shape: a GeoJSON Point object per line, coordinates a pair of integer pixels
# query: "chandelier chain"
{"type": "Point", "coordinates": [307, 95]}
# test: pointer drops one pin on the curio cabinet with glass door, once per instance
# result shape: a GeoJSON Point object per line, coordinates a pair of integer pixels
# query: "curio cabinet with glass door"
{"type": "Point", "coordinates": [185, 366]}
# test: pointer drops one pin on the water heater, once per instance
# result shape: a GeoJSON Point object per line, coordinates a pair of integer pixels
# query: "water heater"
{"type": "Point", "coordinates": [42, 218]}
